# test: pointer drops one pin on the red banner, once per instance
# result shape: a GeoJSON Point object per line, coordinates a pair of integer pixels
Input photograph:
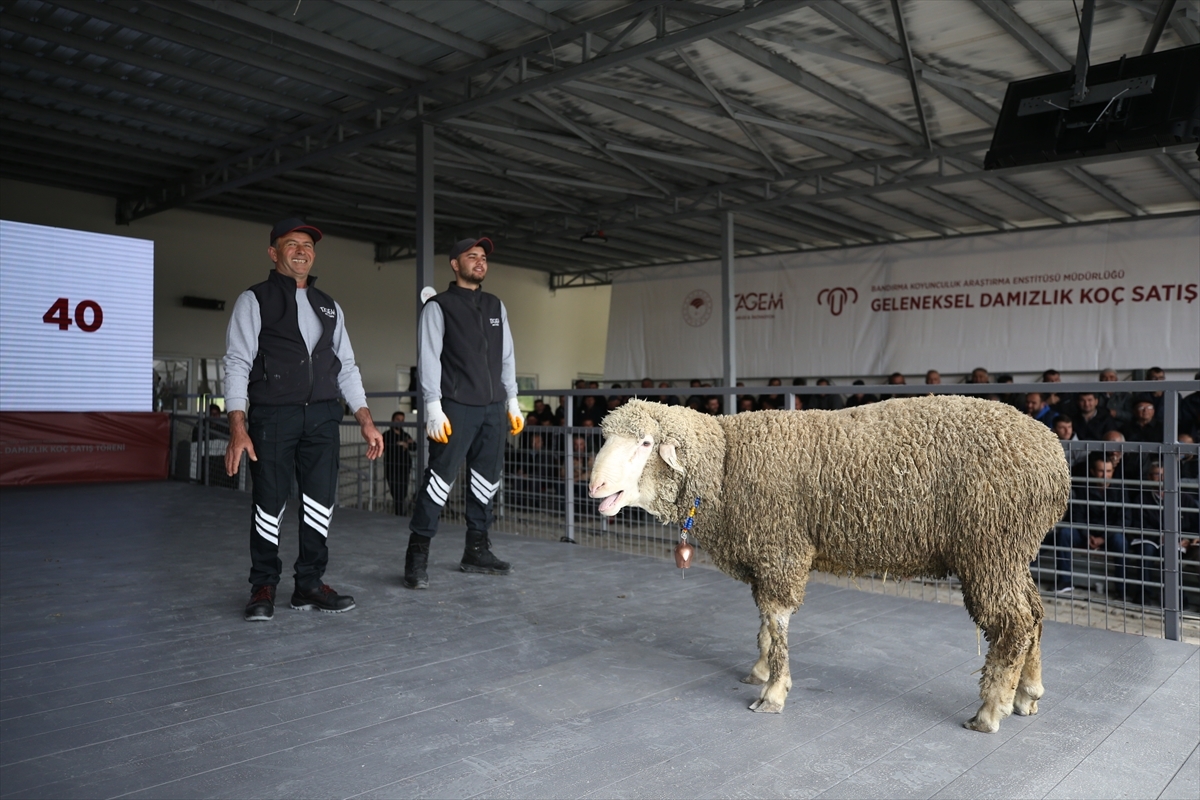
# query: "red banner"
{"type": "Point", "coordinates": [70, 447]}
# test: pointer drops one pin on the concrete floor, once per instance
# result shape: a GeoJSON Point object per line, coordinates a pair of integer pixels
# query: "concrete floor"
{"type": "Point", "coordinates": [126, 670]}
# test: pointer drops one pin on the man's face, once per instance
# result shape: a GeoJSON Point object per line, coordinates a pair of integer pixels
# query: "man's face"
{"type": "Point", "coordinates": [471, 267]}
{"type": "Point", "coordinates": [1155, 474]}
{"type": "Point", "coordinates": [979, 376]}
{"type": "Point", "coordinates": [1156, 375]}
{"type": "Point", "coordinates": [933, 377]}
{"type": "Point", "coordinates": [1102, 470]}
{"type": "Point", "coordinates": [713, 404]}
{"type": "Point", "coordinates": [1143, 413]}
{"type": "Point", "coordinates": [1033, 403]}
{"type": "Point", "coordinates": [1063, 428]}
{"type": "Point", "coordinates": [1052, 377]}
{"type": "Point", "coordinates": [1087, 403]}
{"type": "Point", "coordinates": [1108, 375]}
{"type": "Point", "coordinates": [293, 255]}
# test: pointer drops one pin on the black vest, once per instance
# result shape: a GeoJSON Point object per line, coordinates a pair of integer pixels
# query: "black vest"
{"type": "Point", "coordinates": [284, 374]}
{"type": "Point", "coordinates": [473, 346]}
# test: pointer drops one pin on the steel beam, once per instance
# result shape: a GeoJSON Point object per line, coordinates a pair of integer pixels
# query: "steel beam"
{"type": "Point", "coordinates": [1008, 19]}
{"type": "Point", "coordinates": [1179, 174]}
{"type": "Point", "coordinates": [728, 310]}
{"type": "Point", "coordinates": [389, 15]}
{"type": "Point", "coordinates": [163, 66]}
{"type": "Point", "coordinates": [1165, 7]}
{"type": "Point", "coordinates": [346, 134]}
{"type": "Point", "coordinates": [906, 47]}
{"type": "Point", "coordinates": [1093, 183]}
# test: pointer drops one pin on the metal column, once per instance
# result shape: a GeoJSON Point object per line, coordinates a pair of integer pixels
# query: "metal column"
{"type": "Point", "coordinates": [1169, 547]}
{"type": "Point", "coordinates": [424, 169]}
{"type": "Point", "coordinates": [728, 313]}
{"type": "Point", "coordinates": [569, 466]}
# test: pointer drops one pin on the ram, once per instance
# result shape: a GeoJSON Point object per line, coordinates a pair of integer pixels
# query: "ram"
{"type": "Point", "coordinates": [929, 486]}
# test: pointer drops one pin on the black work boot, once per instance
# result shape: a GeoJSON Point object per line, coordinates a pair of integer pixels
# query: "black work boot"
{"type": "Point", "coordinates": [416, 559]}
{"type": "Point", "coordinates": [478, 557]}
{"type": "Point", "coordinates": [262, 604]}
{"type": "Point", "coordinates": [321, 598]}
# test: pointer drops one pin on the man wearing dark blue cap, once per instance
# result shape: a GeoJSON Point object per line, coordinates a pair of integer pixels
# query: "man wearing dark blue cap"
{"type": "Point", "coordinates": [469, 383]}
{"type": "Point", "coordinates": [289, 357]}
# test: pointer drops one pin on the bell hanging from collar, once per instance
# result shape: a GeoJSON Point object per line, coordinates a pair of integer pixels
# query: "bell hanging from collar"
{"type": "Point", "coordinates": [683, 551]}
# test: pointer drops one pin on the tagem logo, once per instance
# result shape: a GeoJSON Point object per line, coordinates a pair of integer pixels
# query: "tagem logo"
{"type": "Point", "coordinates": [697, 308]}
{"type": "Point", "coordinates": [837, 297]}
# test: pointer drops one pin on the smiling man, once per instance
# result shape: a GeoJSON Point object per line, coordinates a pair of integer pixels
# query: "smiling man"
{"type": "Point", "coordinates": [469, 383]}
{"type": "Point", "coordinates": [288, 357]}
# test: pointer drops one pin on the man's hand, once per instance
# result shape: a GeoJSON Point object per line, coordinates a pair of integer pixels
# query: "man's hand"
{"type": "Point", "coordinates": [516, 420]}
{"type": "Point", "coordinates": [239, 442]}
{"type": "Point", "coordinates": [370, 433]}
{"type": "Point", "coordinates": [437, 424]}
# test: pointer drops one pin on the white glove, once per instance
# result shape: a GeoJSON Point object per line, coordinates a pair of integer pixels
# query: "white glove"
{"type": "Point", "coordinates": [516, 420]}
{"type": "Point", "coordinates": [437, 425]}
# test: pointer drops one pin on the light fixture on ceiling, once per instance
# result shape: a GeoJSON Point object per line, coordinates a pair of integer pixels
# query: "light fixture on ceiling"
{"type": "Point", "coordinates": [596, 235]}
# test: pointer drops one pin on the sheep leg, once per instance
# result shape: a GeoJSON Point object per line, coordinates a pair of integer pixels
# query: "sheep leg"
{"type": "Point", "coordinates": [1010, 631]}
{"type": "Point", "coordinates": [760, 672]}
{"type": "Point", "coordinates": [775, 691]}
{"type": "Point", "coordinates": [1029, 687]}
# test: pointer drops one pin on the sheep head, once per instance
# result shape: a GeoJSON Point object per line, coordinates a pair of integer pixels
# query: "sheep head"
{"type": "Point", "coordinates": [657, 457]}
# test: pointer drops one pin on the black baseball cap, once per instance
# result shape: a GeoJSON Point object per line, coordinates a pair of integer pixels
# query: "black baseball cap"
{"type": "Point", "coordinates": [286, 226]}
{"type": "Point", "coordinates": [463, 245]}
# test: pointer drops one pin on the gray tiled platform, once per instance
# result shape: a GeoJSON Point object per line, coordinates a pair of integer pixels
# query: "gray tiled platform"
{"type": "Point", "coordinates": [126, 670]}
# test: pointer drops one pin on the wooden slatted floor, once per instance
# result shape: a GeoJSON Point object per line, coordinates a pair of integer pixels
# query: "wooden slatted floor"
{"type": "Point", "coordinates": [126, 670]}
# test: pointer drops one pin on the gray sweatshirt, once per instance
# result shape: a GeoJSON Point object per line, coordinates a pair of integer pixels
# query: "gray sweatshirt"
{"type": "Point", "coordinates": [241, 348]}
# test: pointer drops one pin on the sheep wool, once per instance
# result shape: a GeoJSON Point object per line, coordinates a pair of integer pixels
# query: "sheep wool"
{"type": "Point", "coordinates": [927, 486]}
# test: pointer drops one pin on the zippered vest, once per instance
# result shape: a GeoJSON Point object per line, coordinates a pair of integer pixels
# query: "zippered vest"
{"type": "Point", "coordinates": [284, 373]}
{"type": "Point", "coordinates": [472, 347]}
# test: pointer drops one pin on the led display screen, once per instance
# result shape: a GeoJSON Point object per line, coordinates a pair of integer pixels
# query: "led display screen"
{"type": "Point", "coordinates": [76, 320]}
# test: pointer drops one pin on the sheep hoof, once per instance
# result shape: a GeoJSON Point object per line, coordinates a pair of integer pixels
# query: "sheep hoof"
{"type": "Point", "coordinates": [1025, 711]}
{"type": "Point", "coordinates": [975, 724]}
{"type": "Point", "coordinates": [766, 707]}
{"type": "Point", "coordinates": [754, 680]}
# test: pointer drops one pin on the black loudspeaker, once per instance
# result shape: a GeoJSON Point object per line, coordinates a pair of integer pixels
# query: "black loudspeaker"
{"type": "Point", "coordinates": [1131, 104]}
{"type": "Point", "coordinates": [203, 302]}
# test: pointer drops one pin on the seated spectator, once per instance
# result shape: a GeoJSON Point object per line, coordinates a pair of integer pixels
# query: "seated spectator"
{"type": "Point", "coordinates": [543, 412]}
{"type": "Point", "coordinates": [590, 409]}
{"type": "Point", "coordinates": [825, 402]}
{"type": "Point", "coordinates": [1036, 407]}
{"type": "Point", "coordinates": [1065, 431]}
{"type": "Point", "coordinates": [895, 379]}
{"type": "Point", "coordinates": [581, 467]}
{"type": "Point", "coordinates": [772, 401]}
{"type": "Point", "coordinates": [667, 399]}
{"type": "Point", "coordinates": [1117, 404]}
{"type": "Point", "coordinates": [1017, 401]}
{"type": "Point", "coordinates": [647, 383]}
{"type": "Point", "coordinates": [1143, 427]}
{"type": "Point", "coordinates": [1095, 517]}
{"type": "Point", "coordinates": [1090, 422]}
{"type": "Point", "coordinates": [860, 398]}
{"type": "Point", "coordinates": [1189, 413]}
{"type": "Point", "coordinates": [1054, 398]}
{"type": "Point", "coordinates": [746, 403]}
{"type": "Point", "coordinates": [799, 400]}
{"type": "Point", "coordinates": [712, 405]}
{"type": "Point", "coordinates": [1157, 374]}
{"type": "Point", "coordinates": [1144, 521]}
{"type": "Point", "coordinates": [979, 375]}
{"type": "Point", "coordinates": [1124, 469]}
{"type": "Point", "coordinates": [933, 377]}
{"type": "Point", "coordinates": [1188, 462]}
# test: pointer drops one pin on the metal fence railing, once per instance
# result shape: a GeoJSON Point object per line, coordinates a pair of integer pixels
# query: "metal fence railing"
{"type": "Point", "coordinates": [1125, 556]}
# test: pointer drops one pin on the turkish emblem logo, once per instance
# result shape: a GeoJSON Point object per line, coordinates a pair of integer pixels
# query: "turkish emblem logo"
{"type": "Point", "coordinates": [837, 297]}
{"type": "Point", "coordinates": [697, 308]}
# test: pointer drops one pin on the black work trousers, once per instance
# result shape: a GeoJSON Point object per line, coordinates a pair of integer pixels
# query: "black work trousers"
{"type": "Point", "coordinates": [300, 443]}
{"type": "Point", "coordinates": [477, 436]}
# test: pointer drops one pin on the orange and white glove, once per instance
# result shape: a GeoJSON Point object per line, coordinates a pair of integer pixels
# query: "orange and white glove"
{"type": "Point", "coordinates": [437, 425]}
{"type": "Point", "coordinates": [516, 420]}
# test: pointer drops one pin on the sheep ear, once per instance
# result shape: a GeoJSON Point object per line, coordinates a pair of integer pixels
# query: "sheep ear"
{"type": "Point", "coordinates": [666, 452]}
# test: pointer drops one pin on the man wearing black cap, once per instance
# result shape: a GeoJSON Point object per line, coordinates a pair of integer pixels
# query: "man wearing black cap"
{"type": "Point", "coordinates": [288, 354]}
{"type": "Point", "coordinates": [469, 384]}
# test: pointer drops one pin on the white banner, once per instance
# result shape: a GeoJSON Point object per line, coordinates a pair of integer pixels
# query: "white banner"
{"type": "Point", "coordinates": [1119, 294]}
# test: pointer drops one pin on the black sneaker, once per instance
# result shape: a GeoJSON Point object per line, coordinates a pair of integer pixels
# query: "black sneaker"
{"type": "Point", "coordinates": [321, 598]}
{"type": "Point", "coordinates": [416, 562]}
{"type": "Point", "coordinates": [478, 557]}
{"type": "Point", "coordinates": [262, 604]}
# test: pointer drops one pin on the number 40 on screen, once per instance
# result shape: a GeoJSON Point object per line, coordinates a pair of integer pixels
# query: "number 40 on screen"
{"type": "Point", "coordinates": [59, 315]}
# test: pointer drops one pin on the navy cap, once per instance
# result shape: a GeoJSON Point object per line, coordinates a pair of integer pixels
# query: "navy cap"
{"type": "Point", "coordinates": [463, 245]}
{"type": "Point", "coordinates": [286, 226]}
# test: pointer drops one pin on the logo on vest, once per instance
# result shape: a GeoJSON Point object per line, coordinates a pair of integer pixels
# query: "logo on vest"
{"type": "Point", "coordinates": [495, 321]}
{"type": "Point", "coordinates": [329, 312]}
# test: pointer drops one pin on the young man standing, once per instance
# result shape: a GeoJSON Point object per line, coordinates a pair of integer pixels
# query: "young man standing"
{"type": "Point", "coordinates": [288, 355]}
{"type": "Point", "coordinates": [469, 383]}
